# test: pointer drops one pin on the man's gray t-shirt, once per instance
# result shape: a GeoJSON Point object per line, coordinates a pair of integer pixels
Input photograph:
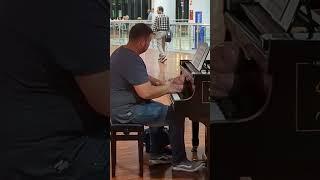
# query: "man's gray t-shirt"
{"type": "Point", "coordinates": [127, 70]}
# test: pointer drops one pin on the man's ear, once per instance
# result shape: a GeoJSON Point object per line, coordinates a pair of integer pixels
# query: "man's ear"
{"type": "Point", "coordinates": [141, 42]}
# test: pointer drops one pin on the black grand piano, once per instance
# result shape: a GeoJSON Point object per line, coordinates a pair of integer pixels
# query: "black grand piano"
{"type": "Point", "coordinates": [193, 102]}
{"type": "Point", "coordinates": [265, 109]}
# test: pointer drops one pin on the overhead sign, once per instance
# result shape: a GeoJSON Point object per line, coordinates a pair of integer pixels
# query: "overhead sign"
{"type": "Point", "coordinates": [198, 16]}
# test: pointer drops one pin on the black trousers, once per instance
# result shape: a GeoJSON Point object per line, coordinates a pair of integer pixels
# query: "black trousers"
{"type": "Point", "coordinates": [90, 162]}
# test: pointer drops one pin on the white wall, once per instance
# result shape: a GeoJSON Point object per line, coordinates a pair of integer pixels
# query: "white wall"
{"type": "Point", "coordinates": [169, 7]}
{"type": "Point", "coordinates": [201, 5]}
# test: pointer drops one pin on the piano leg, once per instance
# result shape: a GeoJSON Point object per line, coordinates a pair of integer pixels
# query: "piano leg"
{"type": "Point", "coordinates": [208, 150]}
{"type": "Point", "coordinates": [195, 140]}
{"type": "Point", "coordinates": [195, 136]}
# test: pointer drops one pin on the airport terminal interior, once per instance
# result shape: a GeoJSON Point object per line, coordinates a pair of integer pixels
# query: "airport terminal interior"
{"type": "Point", "coordinates": [186, 38]}
{"type": "Point", "coordinates": [184, 90]}
{"type": "Point", "coordinates": [255, 68]}
{"type": "Point", "coordinates": [127, 154]}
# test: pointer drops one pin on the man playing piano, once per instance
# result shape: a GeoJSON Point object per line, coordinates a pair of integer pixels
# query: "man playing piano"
{"type": "Point", "coordinates": [132, 91]}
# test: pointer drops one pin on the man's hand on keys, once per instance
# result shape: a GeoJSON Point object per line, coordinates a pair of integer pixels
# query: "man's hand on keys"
{"type": "Point", "coordinates": [174, 88]}
{"type": "Point", "coordinates": [178, 80]}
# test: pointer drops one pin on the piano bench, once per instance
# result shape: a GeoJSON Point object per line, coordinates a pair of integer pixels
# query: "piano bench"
{"type": "Point", "coordinates": [125, 130]}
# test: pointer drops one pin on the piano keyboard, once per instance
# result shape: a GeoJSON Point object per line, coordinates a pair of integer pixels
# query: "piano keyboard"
{"type": "Point", "coordinates": [176, 97]}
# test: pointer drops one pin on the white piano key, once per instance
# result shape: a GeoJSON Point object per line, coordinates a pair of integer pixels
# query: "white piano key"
{"type": "Point", "coordinates": [176, 97]}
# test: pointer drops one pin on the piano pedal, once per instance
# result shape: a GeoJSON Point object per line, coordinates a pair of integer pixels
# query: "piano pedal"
{"type": "Point", "coordinates": [195, 156]}
{"type": "Point", "coordinates": [245, 178]}
{"type": "Point", "coordinates": [204, 159]}
{"type": "Point", "coordinates": [194, 151]}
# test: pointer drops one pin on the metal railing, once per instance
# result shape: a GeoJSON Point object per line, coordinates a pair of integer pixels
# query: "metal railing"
{"type": "Point", "coordinates": [186, 36]}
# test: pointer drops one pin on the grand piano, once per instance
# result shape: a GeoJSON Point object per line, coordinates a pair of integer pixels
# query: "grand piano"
{"type": "Point", "coordinates": [194, 100]}
{"type": "Point", "coordinates": [265, 109]}
{"type": "Point", "coordinates": [196, 87]}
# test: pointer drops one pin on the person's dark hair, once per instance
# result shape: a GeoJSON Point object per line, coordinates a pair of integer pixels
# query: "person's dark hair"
{"type": "Point", "coordinates": [139, 30]}
{"type": "Point", "coordinates": [160, 8]}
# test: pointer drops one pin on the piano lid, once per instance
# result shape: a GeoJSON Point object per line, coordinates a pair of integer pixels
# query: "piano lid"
{"type": "Point", "coordinates": [282, 11]}
{"type": "Point", "coordinates": [200, 56]}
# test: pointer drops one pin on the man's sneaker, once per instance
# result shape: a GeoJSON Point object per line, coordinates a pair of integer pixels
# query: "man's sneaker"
{"type": "Point", "coordinates": [188, 166]}
{"type": "Point", "coordinates": [160, 159]}
{"type": "Point", "coordinates": [163, 60]}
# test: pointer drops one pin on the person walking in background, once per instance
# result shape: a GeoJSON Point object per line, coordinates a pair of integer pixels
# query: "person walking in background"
{"type": "Point", "coordinates": [160, 27]}
{"type": "Point", "coordinates": [150, 18]}
{"type": "Point", "coordinates": [151, 14]}
{"type": "Point", "coordinates": [147, 14]}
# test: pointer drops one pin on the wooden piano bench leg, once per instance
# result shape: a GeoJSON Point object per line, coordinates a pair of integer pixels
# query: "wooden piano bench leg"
{"type": "Point", "coordinates": [140, 149]}
{"type": "Point", "coordinates": [125, 130]}
{"type": "Point", "coordinates": [113, 152]}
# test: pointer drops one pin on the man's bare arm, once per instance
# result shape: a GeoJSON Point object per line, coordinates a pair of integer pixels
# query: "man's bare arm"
{"type": "Point", "coordinates": [95, 88]}
{"type": "Point", "coordinates": [156, 82]}
{"type": "Point", "coordinates": [149, 91]}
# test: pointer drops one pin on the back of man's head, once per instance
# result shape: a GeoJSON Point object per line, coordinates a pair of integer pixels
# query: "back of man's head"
{"type": "Point", "coordinates": [160, 8]}
{"type": "Point", "coordinates": [139, 30]}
